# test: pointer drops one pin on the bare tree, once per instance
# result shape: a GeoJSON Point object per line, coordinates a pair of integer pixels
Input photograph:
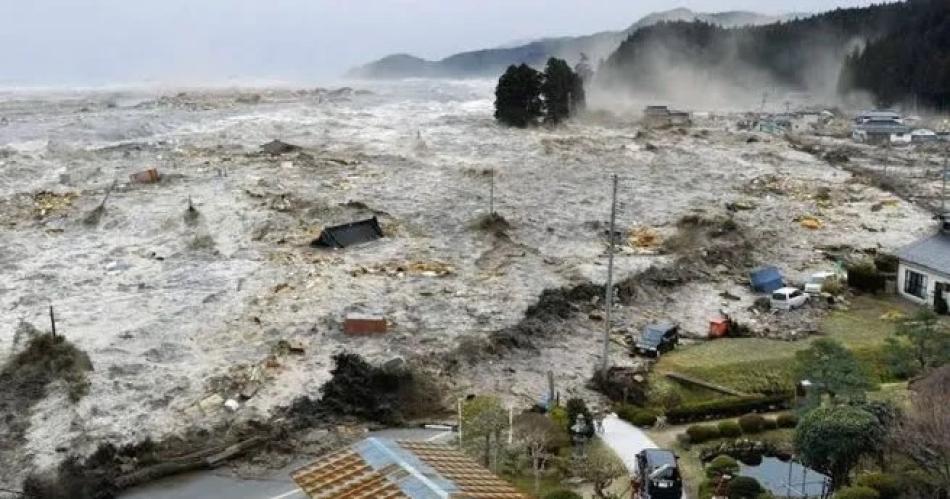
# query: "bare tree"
{"type": "Point", "coordinates": [924, 431]}
{"type": "Point", "coordinates": [537, 434]}
{"type": "Point", "coordinates": [600, 466]}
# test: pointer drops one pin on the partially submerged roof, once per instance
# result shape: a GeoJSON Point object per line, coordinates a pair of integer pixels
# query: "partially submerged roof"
{"type": "Point", "coordinates": [341, 236]}
{"type": "Point", "coordinates": [276, 147]}
{"type": "Point", "coordinates": [381, 468]}
{"type": "Point", "coordinates": [766, 279]}
{"type": "Point", "coordinates": [932, 252]}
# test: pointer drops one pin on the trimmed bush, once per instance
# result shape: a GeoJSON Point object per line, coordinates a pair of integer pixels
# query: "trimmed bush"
{"type": "Point", "coordinates": [743, 487]}
{"type": "Point", "coordinates": [886, 484]}
{"type": "Point", "coordinates": [730, 429]}
{"type": "Point", "coordinates": [752, 423]}
{"type": "Point", "coordinates": [769, 424]}
{"type": "Point", "coordinates": [864, 276]}
{"type": "Point", "coordinates": [699, 433]}
{"type": "Point", "coordinates": [637, 416]}
{"type": "Point", "coordinates": [563, 494]}
{"type": "Point", "coordinates": [857, 492]}
{"type": "Point", "coordinates": [722, 465]}
{"type": "Point", "coordinates": [787, 420]}
{"type": "Point", "coordinates": [725, 408]}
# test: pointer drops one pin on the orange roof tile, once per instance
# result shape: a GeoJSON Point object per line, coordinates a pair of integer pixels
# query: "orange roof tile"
{"type": "Point", "coordinates": [382, 469]}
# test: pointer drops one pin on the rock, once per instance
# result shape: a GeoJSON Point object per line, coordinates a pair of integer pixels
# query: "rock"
{"type": "Point", "coordinates": [211, 403]}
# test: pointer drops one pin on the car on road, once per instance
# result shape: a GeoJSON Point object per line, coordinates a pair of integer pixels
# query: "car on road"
{"type": "Point", "coordinates": [656, 339]}
{"type": "Point", "coordinates": [658, 475]}
{"type": "Point", "coordinates": [788, 298]}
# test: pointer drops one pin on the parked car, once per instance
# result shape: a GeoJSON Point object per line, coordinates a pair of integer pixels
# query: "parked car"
{"type": "Point", "coordinates": [788, 298]}
{"type": "Point", "coordinates": [816, 281]}
{"type": "Point", "coordinates": [656, 339]}
{"type": "Point", "coordinates": [658, 475]}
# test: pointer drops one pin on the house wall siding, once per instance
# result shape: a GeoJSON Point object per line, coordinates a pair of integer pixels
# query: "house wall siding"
{"type": "Point", "coordinates": [932, 279]}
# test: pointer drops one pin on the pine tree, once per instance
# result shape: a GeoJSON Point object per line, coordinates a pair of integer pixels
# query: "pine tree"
{"type": "Point", "coordinates": [518, 96]}
{"type": "Point", "coordinates": [559, 85]}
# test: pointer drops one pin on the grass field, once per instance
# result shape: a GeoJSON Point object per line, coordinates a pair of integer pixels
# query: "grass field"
{"type": "Point", "coordinates": [756, 365]}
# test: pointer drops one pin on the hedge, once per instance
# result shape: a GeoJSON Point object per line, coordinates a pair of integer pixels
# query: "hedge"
{"type": "Point", "coordinates": [699, 433]}
{"type": "Point", "coordinates": [787, 420]}
{"type": "Point", "coordinates": [857, 492]}
{"type": "Point", "coordinates": [865, 277]}
{"type": "Point", "coordinates": [752, 423]}
{"type": "Point", "coordinates": [636, 416]}
{"type": "Point", "coordinates": [725, 408]}
{"type": "Point", "coordinates": [743, 487]}
{"type": "Point", "coordinates": [563, 494]}
{"type": "Point", "coordinates": [769, 424]}
{"type": "Point", "coordinates": [886, 484]}
{"type": "Point", "coordinates": [722, 465]}
{"type": "Point", "coordinates": [730, 429]}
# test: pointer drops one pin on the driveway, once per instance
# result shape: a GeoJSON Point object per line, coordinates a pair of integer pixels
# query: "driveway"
{"type": "Point", "coordinates": [626, 441]}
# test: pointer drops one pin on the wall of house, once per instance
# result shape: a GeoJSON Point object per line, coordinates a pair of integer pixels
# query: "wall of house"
{"type": "Point", "coordinates": [932, 279]}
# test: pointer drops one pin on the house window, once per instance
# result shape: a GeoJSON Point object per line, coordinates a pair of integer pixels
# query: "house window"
{"type": "Point", "coordinates": [915, 283]}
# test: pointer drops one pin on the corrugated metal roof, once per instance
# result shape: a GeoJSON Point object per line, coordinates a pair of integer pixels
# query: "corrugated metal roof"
{"type": "Point", "coordinates": [932, 252]}
{"type": "Point", "coordinates": [381, 468]}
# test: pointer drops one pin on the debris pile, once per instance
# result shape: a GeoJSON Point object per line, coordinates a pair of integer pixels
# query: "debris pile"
{"type": "Point", "coordinates": [399, 269]}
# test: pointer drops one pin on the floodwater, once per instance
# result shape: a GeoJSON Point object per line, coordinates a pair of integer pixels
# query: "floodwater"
{"type": "Point", "coordinates": [173, 312]}
{"type": "Point", "coordinates": [787, 478]}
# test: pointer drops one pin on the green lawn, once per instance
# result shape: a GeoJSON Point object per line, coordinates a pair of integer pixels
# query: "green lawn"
{"type": "Point", "coordinates": [525, 483]}
{"type": "Point", "coordinates": [756, 365]}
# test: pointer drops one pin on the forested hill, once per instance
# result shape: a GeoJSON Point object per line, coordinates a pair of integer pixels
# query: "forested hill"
{"type": "Point", "coordinates": [805, 55]}
{"type": "Point", "coordinates": [492, 62]}
{"type": "Point", "coordinates": [911, 62]}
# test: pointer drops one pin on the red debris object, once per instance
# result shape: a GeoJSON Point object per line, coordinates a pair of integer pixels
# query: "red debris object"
{"type": "Point", "coordinates": [364, 325]}
{"type": "Point", "coordinates": [718, 327]}
{"type": "Point", "coordinates": [149, 176]}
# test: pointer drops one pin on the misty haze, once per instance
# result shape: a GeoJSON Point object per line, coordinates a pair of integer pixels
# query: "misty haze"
{"type": "Point", "coordinates": [549, 250]}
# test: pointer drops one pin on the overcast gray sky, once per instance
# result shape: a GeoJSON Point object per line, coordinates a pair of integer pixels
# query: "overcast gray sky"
{"type": "Point", "coordinates": [96, 42]}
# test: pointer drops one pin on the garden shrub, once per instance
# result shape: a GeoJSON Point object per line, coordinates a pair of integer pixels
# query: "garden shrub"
{"type": "Point", "coordinates": [864, 275]}
{"type": "Point", "coordinates": [856, 492]}
{"type": "Point", "coordinates": [743, 487]}
{"type": "Point", "coordinates": [700, 433]}
{"type": "Point", "coordinates": [886, 484]}
{"type": "Point", "coordinates": [752, 423]}
{"type": "Point", "coordinates": [769, 424]}
{"type": "Point", "coordinates": [787, 420]}
{"type": "Point", "coordinates": [728, 407]}
{"type": "Point", "coordinates": [563, 494]}
{"type": "Point", "coordinates": [722, 465]}
{"type": "Point", "coordinates": [729, 429]}
{"type": "Point", "coordinates": [637, 416]}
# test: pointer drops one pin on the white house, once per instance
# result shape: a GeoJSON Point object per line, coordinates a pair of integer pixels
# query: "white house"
{"type": "Point", "coordinates": [924, 272]}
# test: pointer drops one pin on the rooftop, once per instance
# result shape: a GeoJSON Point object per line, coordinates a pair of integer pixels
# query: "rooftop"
{"type": "Point", "coordinates": [932, 252]}
{"type": "Point", "coordinates": [382, 468]}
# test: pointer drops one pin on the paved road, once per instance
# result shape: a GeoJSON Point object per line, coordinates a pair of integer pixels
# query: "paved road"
{"type": "Point", "coordinates": [626, 441]}
{"type": "Point", "coordinates": [278, 485]}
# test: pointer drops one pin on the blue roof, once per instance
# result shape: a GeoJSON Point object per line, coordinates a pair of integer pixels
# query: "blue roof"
{"type": "Point", "coordinates": [420, 480]}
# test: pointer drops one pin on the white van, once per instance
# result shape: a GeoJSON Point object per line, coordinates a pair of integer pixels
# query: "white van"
{"type": "Point", "coordinates": [788, 298]}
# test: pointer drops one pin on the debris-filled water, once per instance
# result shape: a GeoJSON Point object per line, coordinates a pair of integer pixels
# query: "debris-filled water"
{"type": "Point", "coordinates": [196, 294]}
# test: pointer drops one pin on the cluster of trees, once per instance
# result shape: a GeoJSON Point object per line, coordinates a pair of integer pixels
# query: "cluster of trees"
{"type": "Point", "coordinates": [539, 441]}
{"type": "Point", "coordinates": [525, 96]}
{"type": "Point", "coordinates": [842, 429]}
{"type": "Point", "coordinates": [910, 63]}
{"type": "Point", "coordinates": [906, 56]}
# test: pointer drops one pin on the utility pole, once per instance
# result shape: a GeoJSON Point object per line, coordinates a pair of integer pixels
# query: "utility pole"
{"type": "Point", "coordinates": [943, 190]}
{"type": "Point", "coordinates": [887, 153]}
{"type": "Point", "coordinates": [52, 320]}
{"type": "Point", "coordinates": [609, 288]}
{"type": "Point", "coordinates": [460, 422]}
{"type": "Point", "coordinates": [491, 195]}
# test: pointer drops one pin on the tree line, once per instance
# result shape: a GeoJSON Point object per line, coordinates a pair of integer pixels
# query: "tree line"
{"type": "Point", "coordinates": [526, 97]}
{"type": "Point", "coordinates": [906, 57]}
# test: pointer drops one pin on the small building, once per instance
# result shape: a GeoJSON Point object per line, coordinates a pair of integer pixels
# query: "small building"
{"type": "Point", "coordinates": [381, 468]}
{"type": "Point", "coordinates": [923, 275]}
{"type": "Point", "coordinates": [878, 115]}
{"type": "Point", "coordinates": [881, 131]}
{"type": "Point", "coordinates": [663, 116]}
{"type": "Point", "coordinates": [353, 233]}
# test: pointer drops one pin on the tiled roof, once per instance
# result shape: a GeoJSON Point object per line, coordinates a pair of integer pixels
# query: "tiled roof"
{"type": "Point", "coordinates": [932, 252]}
{"type": "Point", "coordinates": [380, 468]}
